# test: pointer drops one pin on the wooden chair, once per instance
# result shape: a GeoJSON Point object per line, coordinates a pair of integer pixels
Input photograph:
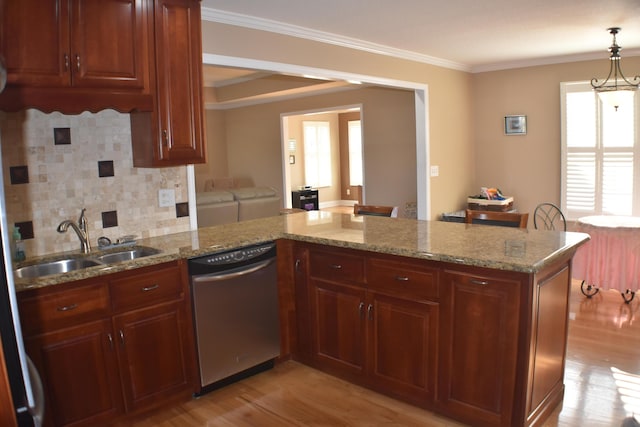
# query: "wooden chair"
{"type": "Point", "coordinates": [391, 211]}
{"type": "Point", "coordinates": [505, 219]}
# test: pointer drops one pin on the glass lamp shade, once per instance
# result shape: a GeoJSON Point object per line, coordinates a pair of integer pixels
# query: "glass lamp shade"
{"type": "Point", "coordinates": [617, 98]}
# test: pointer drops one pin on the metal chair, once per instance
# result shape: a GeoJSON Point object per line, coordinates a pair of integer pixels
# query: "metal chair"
{"type": "Point", "coordinates": [548, 216]}
{"type": "Point", "coordinates": [391, 211]}
{"type": "Point", "coordinates": [505, 219]}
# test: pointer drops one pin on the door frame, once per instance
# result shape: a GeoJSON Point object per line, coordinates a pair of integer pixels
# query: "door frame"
{"type": "Point", "coordinates": [421, 92]}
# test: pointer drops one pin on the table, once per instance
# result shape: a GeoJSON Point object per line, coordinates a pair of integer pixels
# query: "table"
{"type": "Point", "coordinates": [611, 259]}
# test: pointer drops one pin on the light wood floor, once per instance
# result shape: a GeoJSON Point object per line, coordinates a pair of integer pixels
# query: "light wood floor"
{"type": "Point", "coordinates": [602, 384]}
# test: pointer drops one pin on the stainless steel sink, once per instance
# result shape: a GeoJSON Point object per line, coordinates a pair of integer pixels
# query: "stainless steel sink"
{"type": "Point", "coordinates": [77, 263]}
{"type": "Point", "coordinates": [127, 255]}
{"type": "Point", "coordinates": [55, 267]}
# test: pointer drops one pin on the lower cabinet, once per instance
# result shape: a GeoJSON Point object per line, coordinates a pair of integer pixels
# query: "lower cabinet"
{"type": "Point", "coordinates": [79, 369]}
{"type": "Point", "coordinates": [482, 346]}
{"type": "Point", "coordinates": [103, 355]}
{"type": "Point", "coordinates": [479, 341]}
{"type": "Point", "coordinates": [369, 330]}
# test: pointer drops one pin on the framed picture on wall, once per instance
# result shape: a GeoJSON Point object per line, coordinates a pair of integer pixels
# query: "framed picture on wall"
{"type": "Point", "coordinates": [515, 125]}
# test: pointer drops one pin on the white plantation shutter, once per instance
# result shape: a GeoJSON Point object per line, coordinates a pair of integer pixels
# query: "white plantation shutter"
{"type": "Point", "coordinates": [317, 154]}
{"type": "Point", "coordinates": [600, 155]}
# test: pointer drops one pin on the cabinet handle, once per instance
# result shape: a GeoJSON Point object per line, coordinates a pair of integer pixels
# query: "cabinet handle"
{"type": "Point", "coordinates": [479, 282]}
{"type": "Point", "coordinates": [165, 137]}
{"type": "Point", "coordinates": [370, 312]}
{"type": "Point", "coordinates": [66, 62]}
{"type": "Point", "coordinates": [297, 266]}
{"type": "Point", "coordinates": [150, 288]}
{"type": "Point", "coordinates": [110, 341]}
{"type": "Point", "coordinates": [336, 266]}
{"type": "Point", "coordinates": [361, 309]}
{"type": "Point", "coordinates": [67, 307]}
{"type": "Point", "coordinates": [121, 336]}
{"type": "Point", "coordinates": [402, 278]}
{"type": "Point", "coordinates": [78, 62]}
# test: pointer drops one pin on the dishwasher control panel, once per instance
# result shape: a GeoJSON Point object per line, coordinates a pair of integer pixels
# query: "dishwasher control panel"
{"type": "Point", "coordinates": [235, 257]}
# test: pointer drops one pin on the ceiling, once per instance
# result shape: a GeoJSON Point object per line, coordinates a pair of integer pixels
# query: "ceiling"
{"type": "Point", "coordinates": [468, 35]}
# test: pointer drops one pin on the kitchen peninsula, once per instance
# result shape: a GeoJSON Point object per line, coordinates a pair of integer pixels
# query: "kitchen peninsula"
{"type": "Point", "coordinates": [469, 321]}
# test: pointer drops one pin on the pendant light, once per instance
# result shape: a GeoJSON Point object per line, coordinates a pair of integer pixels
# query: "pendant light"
{"type": "Point", "coordinates": [612, 92]}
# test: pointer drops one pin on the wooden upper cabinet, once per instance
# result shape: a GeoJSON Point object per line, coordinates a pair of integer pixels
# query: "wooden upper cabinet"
{"type": "Point", "coordinates": [35, 38]}
{"type": "Point", "coordinates": [173, 134]}
{"type": "Point", "coordinates": [77, 43]}
{"type": "Point", "coordinates": [107, 44]}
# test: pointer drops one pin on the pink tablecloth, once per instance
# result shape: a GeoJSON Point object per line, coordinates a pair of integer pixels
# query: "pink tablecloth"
{"type": "Point", "coordinates": [611, 259]}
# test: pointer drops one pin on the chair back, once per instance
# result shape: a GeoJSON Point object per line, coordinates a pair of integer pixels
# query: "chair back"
{"type": "Point", "coordinates": [548, 216]}
{"type": "Point", "coordinates": [390, 211]}
{"type": "Point", "coordinates": [505, 219]}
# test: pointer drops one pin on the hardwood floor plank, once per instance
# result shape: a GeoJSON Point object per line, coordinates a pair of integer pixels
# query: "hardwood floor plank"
{"type": "Point", "coordinates": [602, 385]}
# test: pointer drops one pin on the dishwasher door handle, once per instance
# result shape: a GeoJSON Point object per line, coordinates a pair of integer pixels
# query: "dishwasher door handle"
{"type": "Point", "coordinates": [223, 275]}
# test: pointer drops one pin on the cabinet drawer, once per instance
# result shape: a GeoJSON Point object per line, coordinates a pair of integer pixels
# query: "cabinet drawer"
{"type": "Point", "coordinates": [402, 278]}
{"type": "Point", "coordinates": [146, 288]}
{"type": "Point", "coordinates": [336, 266]}
{"type": "Point", "coordinates": [54, 310]}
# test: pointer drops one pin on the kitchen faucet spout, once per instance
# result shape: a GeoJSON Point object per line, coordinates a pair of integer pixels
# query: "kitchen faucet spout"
{"type": "Point", "coordinates": [81, 229]}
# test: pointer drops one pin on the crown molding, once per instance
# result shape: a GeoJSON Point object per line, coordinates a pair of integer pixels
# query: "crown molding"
{"type": "Point", "coordinates": [240, 20]}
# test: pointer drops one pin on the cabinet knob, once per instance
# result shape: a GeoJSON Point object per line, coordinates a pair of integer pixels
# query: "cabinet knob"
{"type": "Point", "coordinates": [336, 266]}
{"type": "Point", "coordinates": [370, 311]}
{"type": "Point", "coordinates": [361, 309]}
{"type": "Point", "coordinates": [77, 62]}
{"type": "Point", "coordinates": [402, 278]}
{"type": "Point", "coordinates": [479, 282]}
{"type": "Point", "coordinates": [110, 341]}
{"type": "Point", "coordinates": [66, 62]}
{"type": "Point", "coordinates": [121, 336]}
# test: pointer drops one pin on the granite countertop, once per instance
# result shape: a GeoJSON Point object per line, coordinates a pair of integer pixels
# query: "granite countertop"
{"type": "Point", "coordinates": [503, 248]}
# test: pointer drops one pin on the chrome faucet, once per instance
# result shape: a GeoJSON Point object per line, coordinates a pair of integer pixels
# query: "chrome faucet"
{"type": "Point", "coordinates": [81, 229]}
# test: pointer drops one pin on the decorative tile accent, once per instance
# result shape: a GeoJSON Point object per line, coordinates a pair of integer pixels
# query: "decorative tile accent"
{"type": "Point", "coordinates": [26, 229]}
{"type": "Point", "coordinates": [105, 168]}
{"type": "Point", "coordinates": [63, 179]}
{"type": "Point", "coordinates": [109, 219]}
{"type": "Point", "coordinates": [182, 209]}
{"type": "Point", "coordinates": [62, 136]}
{"type": "Point", "coordinates": [19, 174]}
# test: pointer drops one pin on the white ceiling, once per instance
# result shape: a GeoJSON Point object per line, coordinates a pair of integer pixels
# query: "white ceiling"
{"type": "Point", "coordinates": [473, 35]}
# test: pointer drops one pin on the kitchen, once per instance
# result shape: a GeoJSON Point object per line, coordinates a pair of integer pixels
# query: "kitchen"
{"type": "Point", "coordinates": [173, 225]}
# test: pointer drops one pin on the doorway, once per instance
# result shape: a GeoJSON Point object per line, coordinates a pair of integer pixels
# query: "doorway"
{"type": "Point", "coordinates": [420, 91]}
{"type": "Point", "coordinates": [343, 175]}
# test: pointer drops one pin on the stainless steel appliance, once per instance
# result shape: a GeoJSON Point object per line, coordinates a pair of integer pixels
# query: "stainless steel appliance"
{"type": "Point", "coordinates": [235, 305]}
{"type": "Point", "coordinates": [24, 382]}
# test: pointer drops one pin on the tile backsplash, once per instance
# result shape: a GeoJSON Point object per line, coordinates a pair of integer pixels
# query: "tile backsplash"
{"type": "Point", "coordinates": [54, 165]}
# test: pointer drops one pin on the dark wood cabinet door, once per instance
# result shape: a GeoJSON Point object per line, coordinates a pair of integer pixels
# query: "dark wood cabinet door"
{"type": "Point", "coordinates": [152, 346]}
{"type": "Point", "coordinates": [179, 81]}
{"type": "Point", "coordinates": [403, 346]}
{"type": "Point", "coordinates": [338, 327]}
{"type": "Point", "coordinates": [479, 348]}
{"type": "Point", "coordinates": [35, 42]}
{"type": "Point", "coordinates": [108, 44]}
{"type": "Point", "coordinates": [78, 366]}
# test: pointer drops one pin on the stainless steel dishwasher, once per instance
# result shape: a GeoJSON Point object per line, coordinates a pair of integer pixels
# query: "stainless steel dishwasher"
{"type": "Point", "coordinates": [235, 308]}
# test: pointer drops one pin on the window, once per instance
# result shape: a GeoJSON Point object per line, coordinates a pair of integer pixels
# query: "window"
{"type": "Point", "coordinates": [600, 154]}
{"type": "Point", "coordinates": [317, 154]}
{"type": "Point", "coordinates": [355, 153]}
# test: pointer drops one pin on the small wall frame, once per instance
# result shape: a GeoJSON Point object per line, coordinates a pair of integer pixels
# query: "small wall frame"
{"type": "Point", "coordinates": [515, 125]}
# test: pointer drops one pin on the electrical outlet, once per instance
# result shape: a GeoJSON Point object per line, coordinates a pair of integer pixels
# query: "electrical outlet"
{"type": "Point", "coordinates": [348, 191]}
{"type": "Point", "coordinates": [435, 170]}
{"type": "Point", "coordinates": [166, 198]}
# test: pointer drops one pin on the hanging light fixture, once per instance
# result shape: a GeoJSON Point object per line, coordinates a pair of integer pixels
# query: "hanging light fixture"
{"type": "Point", "coordinates": [614, 93]}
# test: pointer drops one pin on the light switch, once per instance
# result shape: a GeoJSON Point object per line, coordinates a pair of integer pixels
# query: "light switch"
{"type": "Point", "coordinates": [435, 170]}
{"type": "Point", "coordinates": [166, 198]}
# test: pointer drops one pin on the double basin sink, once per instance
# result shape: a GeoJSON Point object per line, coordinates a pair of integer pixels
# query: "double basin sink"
{"type": "Point", "coordinates": [79, 262]}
